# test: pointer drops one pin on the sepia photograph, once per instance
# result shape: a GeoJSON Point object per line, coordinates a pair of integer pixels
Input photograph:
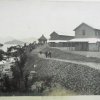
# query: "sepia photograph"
{"type": "Point", "coordinates": [49, 48]}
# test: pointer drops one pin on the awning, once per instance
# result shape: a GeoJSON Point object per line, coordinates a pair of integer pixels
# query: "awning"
{"type": "Point", "coordinates": [89, 40]}
{"type": "Point", "coordinates": [57, 41]}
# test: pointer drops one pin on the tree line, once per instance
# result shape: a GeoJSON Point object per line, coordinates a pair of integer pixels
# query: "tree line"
{"type": "Point", "coordinates": [19, 80]}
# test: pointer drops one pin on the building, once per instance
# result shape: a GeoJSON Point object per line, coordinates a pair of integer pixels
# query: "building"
{"type": "Point", "coordinates": [42, 40]}
{"type": "Point", "coordinates": [56, 36]}
{"type": "Point", "coordinates": [57, 40]}
{"type": "Point", "coordinates": [86, 38]}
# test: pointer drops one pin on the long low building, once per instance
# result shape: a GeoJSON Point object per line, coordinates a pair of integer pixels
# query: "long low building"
{"type": "Point", "coordinates": [86, 38]}
{"type": "Point", "coordinates": [57, 40]}
{"type": "Point", "coordinates": [86, 44]}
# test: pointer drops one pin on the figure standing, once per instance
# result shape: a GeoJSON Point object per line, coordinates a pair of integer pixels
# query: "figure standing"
{"type": "Point", "coordinates": [49, 54]}
{"type": "Point", "coordinates": [46, 54]}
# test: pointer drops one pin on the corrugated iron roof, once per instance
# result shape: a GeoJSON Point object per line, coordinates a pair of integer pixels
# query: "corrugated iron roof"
{"type": "Point", "coordinates": [89, 40]}
{"type": "Point", "coordinates": [57, 41]}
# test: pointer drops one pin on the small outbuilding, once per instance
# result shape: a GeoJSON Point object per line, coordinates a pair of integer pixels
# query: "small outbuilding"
{"type": "Point", "coordinates": [42, 40]}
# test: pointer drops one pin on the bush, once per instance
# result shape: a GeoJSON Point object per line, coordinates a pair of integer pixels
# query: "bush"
{"type": "Point", "coordinates": [1, 57]}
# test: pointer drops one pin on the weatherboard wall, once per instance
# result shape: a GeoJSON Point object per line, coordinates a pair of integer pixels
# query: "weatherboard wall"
{"type": "Point", "coordinates": [89, 32]}
{"type": "Point", "coordinates": [93, 47]}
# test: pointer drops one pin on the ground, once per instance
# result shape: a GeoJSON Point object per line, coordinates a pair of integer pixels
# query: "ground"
{"type": "Point", "coordinates": [71, 71]}
{"type": "Point", "coordinates": [84, 53]}
{"type": "Point", "coordinates": [61, 54]}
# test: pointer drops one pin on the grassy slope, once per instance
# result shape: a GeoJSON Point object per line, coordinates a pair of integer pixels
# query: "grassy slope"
{"type": "Point", "coordinates": [78, 78]}
{"type": "Point", "coordinates": [56, 53]}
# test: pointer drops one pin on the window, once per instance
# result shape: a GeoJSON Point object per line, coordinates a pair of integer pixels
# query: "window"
{"type": "Point", "coordinates": [96, 33]}
{"type": "Point", "coordinates": [83, 32]}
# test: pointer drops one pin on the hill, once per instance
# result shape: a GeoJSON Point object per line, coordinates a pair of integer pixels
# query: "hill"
{"type": "Point", "coordinates": [6, 39]}
{"type": "Point", "coordinates": [29, 40]}
{"type": "Point", "coordinates": [1, 44]}
{"type": "Point", "coordinates": [80, 79]}
{"type": "Point", "coordinates": [15, 42]}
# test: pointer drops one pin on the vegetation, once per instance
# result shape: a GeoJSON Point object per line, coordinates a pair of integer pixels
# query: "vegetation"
{"type": "Point", "coordinates": [56, 53]}
{"type": "Point", "coordinates": [1, 54]}
{"type": "Point", "coordinates": [19, 81]}
{"type": "Point", "coordinates": [17, 69]}
{"type": "Point", "coordinates": [1, 44]}
{"type": "Point", "coordinates": [80, 79]}
{"type": "Point", "coordinates": [51, 76]}
{"type": "Point", "coordinates": [1, 57]}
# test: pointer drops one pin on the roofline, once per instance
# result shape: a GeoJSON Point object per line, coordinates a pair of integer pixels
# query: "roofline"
{"type": "Point", "coordinates": [54, 32]}
{"type": "Point", "coordinates": [66, 35]}
{"type": "Point", "coordinates": [61, 35]}
{"type": "Point", "coordinates": [84, 24]}
{"type": "Point", "coordinates": [41, 37]}
{"type": "Point", "coordinates": [97, 29]}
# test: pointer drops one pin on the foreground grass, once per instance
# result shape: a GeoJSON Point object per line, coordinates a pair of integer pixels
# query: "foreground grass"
{"type": "Point", "coordinates": [19, 94]}
{"type": "Point", "coordinates": [59, 91]}
{"type": "Point", "coordinates": [75, 78]}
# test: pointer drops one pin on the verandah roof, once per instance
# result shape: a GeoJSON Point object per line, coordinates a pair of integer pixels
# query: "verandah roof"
{"type": "Point", "coordinates": [57, 41]}
{"type": "Point", "coordinates": [89, 40]}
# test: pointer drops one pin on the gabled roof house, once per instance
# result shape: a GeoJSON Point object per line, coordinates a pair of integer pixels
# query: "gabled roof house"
{"type": "Point", "coordinates": [86, 38]}
{"type": "Point", "coordinates": [57, 40]}
{"type": "Point", "coordinates": [55, 37]}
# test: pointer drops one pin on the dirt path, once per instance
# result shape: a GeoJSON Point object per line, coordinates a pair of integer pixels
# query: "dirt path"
{"type": "Point", "coordinates": [90, 64]}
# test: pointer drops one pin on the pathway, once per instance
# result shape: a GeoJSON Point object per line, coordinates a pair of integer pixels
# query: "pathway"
{"type": "Point", "coordinates": [90, 64]}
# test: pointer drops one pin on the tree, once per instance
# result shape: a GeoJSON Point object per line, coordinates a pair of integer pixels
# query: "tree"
{"type": "Point", "coordinates": [18, 68]}
{"type": "Point", "coordinates": [6, 83]}
{"type": "Point", "coordinates": [26, 81]}
{"type": "Point", "coordinates": [1, 54]}
{"type": "Point", "coordinates": [1, 57]}
{"type": "Point", "coordinates": [16, 77]}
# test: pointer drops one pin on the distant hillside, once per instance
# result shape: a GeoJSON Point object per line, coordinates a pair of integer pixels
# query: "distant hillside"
{"type": "Point", "coordinates": [29, 40]}
{"type": "Point", "coordinates": [6, 39]}
{"type": "Point", "coordinates": [14, 42]}
{"type": "Point", "coordinates": [1, 44]}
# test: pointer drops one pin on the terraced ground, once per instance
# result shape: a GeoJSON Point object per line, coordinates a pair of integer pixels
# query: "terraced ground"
{"type": "Point", "coordinates": [84, 53]}
{"type": "Point", "coordinates": [56, 53]}
{"type": "Point", "coordinates": [80, 79]}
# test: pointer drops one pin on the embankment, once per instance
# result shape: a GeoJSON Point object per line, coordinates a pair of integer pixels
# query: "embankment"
{"type": "Point", "coordinates": [57, 53]}
{"type": "Point", "coordinates": [78, 78]}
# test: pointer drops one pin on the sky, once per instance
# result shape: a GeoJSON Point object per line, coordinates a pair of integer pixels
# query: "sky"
{"type": "Point", "coordinates": [32, 18]}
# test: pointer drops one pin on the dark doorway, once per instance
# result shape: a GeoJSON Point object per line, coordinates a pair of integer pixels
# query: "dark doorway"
{"type": "Point", "coordinates": [81, 46]}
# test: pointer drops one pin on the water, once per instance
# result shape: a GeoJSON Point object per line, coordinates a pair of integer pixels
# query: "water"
{"type": "Point", "coordinates": [5, 46]}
